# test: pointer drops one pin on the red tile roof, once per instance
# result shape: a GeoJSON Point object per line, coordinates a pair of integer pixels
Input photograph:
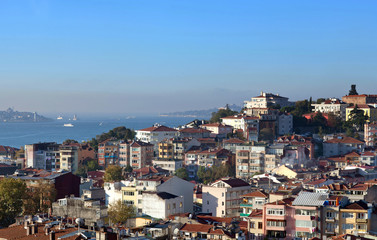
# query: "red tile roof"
{"type": "Point", "coordinates": [158, 129]}
{"type": "Point", "coordinates": [19, 233]}
{"type": "Point", "coordinates": [256, 194]}
{"type": "Point", "coordinates": [194, 130]}
{"type": "Point", "coordinates": [344, 140]}
{"type": "Point", "coordinates": [233, 140]}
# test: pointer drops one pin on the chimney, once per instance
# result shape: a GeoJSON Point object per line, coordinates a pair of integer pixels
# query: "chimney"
{"type": "Point", "coordinates": [52, 235]}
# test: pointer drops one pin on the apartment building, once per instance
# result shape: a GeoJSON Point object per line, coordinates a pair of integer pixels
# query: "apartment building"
{"type": "Point", "coordinates": [217, 129]}
{"type": "Point", "coordinates": [136, 154]}
{"type": "Point", "coordinates": [340, 145]}
{"type": "Point", "coordinates": [331, 105]}
{"type": "Point", "coordinates": [43, 155]}
{"type": "Point", "coordinates": [252, 201]}
{"type": "Point", "coordinates": [108, 153]}
{"type": "Point", "coordinates": [69, 157]}
{"type": "Point", "coordinates": [155, 134]}
{"type": "Point", "coordinates": [370, 134]}
{"type": "Point", "coordinates": [206, 158]}
{"type": "Point", "coordinates": [265, 100]}
{"type": "Point", "coordinates": [223, 197]}
{"type": "Point", "coordinates": [249, 160]}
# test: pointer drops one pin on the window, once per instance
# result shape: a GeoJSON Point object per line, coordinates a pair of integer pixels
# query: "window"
{"type": "Point", "coordinates": [129, 202]}
{"type": "Point", "coordinates": [168, 206]}
{"type": "Point", "coordinates": [306, 224]}
{"type": "Point", "coordinates": [347, 215]}
{"type": "Point", "coordinates": [252, 224]}
{"type": "Point", "coordinates": [180, 204]}
{"type": "Point", "coordinates": [272, 211]}
{"type": "Point", "coordinates": [222, 203]}
{"type": "Point", "coordinates": [128, 193]}
{"type": "Point", "coordinates": [174, 205]}
{"type": "Point", "coordinates": [276, 223]}
{"type": "Point", "coordinates": [260, 225]}
{"type": "Point", "coordinates": [305, 212]}
{"type": "Point", "coordinates": [362, 216]}
{"type": "Point", "coordinates": [347, 226]}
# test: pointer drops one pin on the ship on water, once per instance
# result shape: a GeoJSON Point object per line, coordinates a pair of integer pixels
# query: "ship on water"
{"type": "Point", "coordinates": [68, 125]}
{"type": "Point", "coordinates": [59, 117]}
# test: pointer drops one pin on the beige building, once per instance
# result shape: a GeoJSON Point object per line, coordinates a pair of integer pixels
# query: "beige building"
{"type": "Point", "coordinates": [265, 100]}
{"type": "Point", "coordinates": [223, 197]}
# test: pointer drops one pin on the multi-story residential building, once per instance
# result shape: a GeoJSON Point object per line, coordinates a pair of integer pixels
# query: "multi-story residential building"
{"type": "Point", "coordinates": [69, 157]}
{"type": "Point", "coordinates": [43, 155]}
{"type": "Point", "coordinates": [175, 148]}
{"type": "Point", "coordinates": [249, 160]}
{"type": "Point", "coordinates": [295, 218]}
{"type": "Point", "coordinates": [217, 129]}
{"type": "Point", "coordinates": [285, 123]}
{"type": "Point", "coordinates": [252, 201]}
{"type": "Point", "coordinates": [194, 133]}
{"type": "Point", "coordinates": [155, 134]}
{"type": "Point", "coordinates": [259, 112]}
{"type": "Point", "coordinates": [160, 205]}
{"type": "Point", "coordinates": [355, 218]}
{"type": "Point", "coordinates": [370, 134]}
{"type": "Point", "coordinates": [7, 152]}
{"type": "Point", "coordinates": [206, 158]}
{"type": "Point", "coordinates": [331, 105]}
{"type": "Point", "coordinates": [108, 153]}
{"type": "Point", "coordinates": [255, 225]}
{"type": "Point", "coordinates": [265, 100]}
{"type": "Point", "coordinates": [341, 145]}
{"type": "Point", "coordinates": [360, 99]}
{"type": "Point", "coordinates": [331, 215]}
{"type": "Point", "coordinates": [370, 111]}
{"type": "Point", "coordinates": [136, 154]}
{"type": "Point", "coordinates": [223, 197]}
{"type": "Point", "coordinates": [232, 143]}
{"type": "Point", "coordinates": [296, 140]}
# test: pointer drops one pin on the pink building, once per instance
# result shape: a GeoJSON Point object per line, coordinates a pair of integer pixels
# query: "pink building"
{"type": "Point", "coordinates": [294, 218]}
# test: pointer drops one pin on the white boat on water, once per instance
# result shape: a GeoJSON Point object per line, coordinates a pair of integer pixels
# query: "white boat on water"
{"type": "Point", "coordinates": [59, 118]}
{"type": "Point", "coordinates": [68, 125]}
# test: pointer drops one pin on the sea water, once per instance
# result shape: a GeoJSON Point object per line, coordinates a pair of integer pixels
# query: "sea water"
{"type": "Point", "coordinates": [19, 134]}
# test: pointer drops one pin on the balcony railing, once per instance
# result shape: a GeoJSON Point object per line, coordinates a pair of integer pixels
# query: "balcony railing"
{"type": "Point", "coordinates": [244, 214]}
{"type": "Point", "coordinates": [361, 220]}
{"type": "Point", "coordinates": [246, 205]}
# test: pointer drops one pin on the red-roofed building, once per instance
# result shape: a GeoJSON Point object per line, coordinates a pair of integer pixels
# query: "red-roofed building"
{"type": "Point", "coordinates": [223, 197]}
{"type": "Point", "coordinates": [155, 134]}
{"type": "Point", "coordinates": [136, 154]}
{"type": "Point", "coordinates": [217, 129]}
{"type": "Point", "coordinates": [194, 133]}
{"type": "Point", "coordinates": [340, 145]}
{"type": "Point", "coordinates": [252, 201]}
{"type": "Point", "coordinates": [331, 105]}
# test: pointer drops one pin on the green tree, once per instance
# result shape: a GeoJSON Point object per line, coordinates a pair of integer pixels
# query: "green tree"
{"type": "Point", "coordinates": [319, 120]}
{"type": "Point", "coordinates": [128, 169]}
{"type": "Point", "coordinates": [113, 173]}
{"type": "Point", "coordinates": [357, 118]}
{"type": "Point", "coordinates": [81, 171]}
{"type": "Point", "coordinates": [118, 133]}
{"type": "Point", "coordinates": [320, 100]}
{"type": "Point", "coordinates": [216, 116]}
{"type": "Point", "coordinates": [92, 165]}
{"type": "Point", "coordinates": [353, 90]}
{"type": "Point", "coordinates": [182, 173]}
{"type": "Point", "coordinates": [119, 212]}
{"type": "Point", "coordinates": [41, 195]}
{"type": "Point", "coordinates": [12, 193]}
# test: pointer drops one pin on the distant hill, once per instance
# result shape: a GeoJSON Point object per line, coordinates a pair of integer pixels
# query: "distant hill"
{"type": "Point", "coordinates": [14, 116]}
{"type": "Point", "coordinates": [199, 113]}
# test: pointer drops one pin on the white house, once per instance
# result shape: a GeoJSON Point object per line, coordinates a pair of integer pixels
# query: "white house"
{"type": "Point", "coordinates": [155, 134]}
{"type": "Point", "coordinates": [162, 204]}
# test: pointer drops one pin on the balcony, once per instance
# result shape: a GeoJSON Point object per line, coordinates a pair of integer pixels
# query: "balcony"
{"type": "Point", "coordinates": [361, 220]}
{"type": "Point", "coordinates": [244, 214]}
{"type": "Point", "coordinates": [330, 219]}
{"type": "Point", "coordinates": [246, 205]}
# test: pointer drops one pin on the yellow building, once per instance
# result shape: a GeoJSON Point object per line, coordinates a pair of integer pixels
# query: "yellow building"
{"type": "Point", "coordinates": [166, 151]}
{"type": "Point", "coordinates": [355, 219]}
{"type": "Point", "coordinates": [370, 111]}
{"type": "Point", "coordinates": [129, 195]}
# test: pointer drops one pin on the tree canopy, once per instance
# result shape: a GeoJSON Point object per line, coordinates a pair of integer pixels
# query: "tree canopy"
{"type": "Point", "coordinates": [118, 133]}
{"type": "Point", "coordinates": [119, 212]}
{"type": "Point", "coordinates": [113, 173]}
{"type": "Point", "coordinates": [357, 118]}
{"type": "Point", "coordinates": [182, 173]}
{"type": "Point", "coordinates": [207, 175]}
{"type": "Point", "coordinates": [40, 197]}
{"type": "Point", "coordinates": [216, 116]}
{"type": "Point", "coordinates": [12, 193]}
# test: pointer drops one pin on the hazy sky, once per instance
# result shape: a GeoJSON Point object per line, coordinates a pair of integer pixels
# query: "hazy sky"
{"type": "Point", "coordinates": [107, 56]}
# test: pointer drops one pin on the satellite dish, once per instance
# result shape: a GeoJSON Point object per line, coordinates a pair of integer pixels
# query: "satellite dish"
{"type": "Point", "coordinates": [78, 221]}
{"type": "Point", "coordinates": [176, 231]}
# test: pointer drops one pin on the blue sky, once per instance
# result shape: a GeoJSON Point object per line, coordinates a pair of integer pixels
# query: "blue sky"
{"type": "Point", "coordinates": [107, 56]}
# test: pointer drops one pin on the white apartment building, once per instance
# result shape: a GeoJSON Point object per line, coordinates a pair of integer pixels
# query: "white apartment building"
{"type": "Point", "coordinates": [223, 197]}
{"type": "Point", "coordinates": [155, 134]}
{"type": "Point", "coordinates": [266, 100]}
{"type": "Point", "coordinates": [331, 105]}
{"type": "Point", "coordinates": [162, 204]}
